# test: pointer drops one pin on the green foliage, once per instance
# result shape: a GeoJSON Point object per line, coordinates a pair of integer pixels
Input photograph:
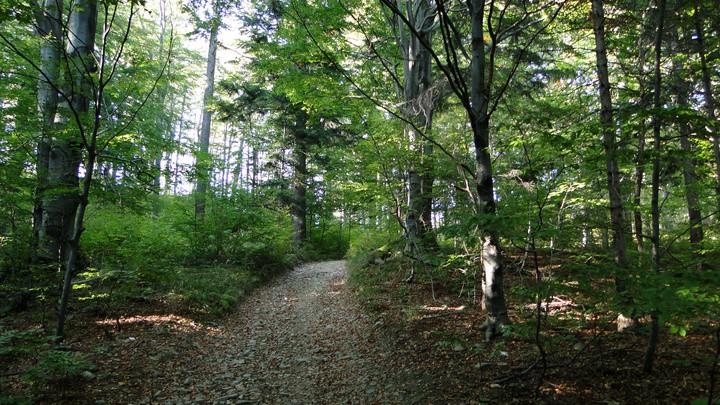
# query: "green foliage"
{"type": "Point", "coordinates": [369, 248]}
{"type": "Point", "coordinates": [20, 343]}
{"type": "Point", "coordinates": [57, 365]}
{"type": "Point", "coordinates": [13, 400]}
{"type": "Point", "coordinates": [135, 242]}
{"type": "Point", "coordinates": [329, 240]}
{"type": "Point", "coordinates": [212, 290]}
{"type": "Point", "coordinates": [206, 267]}
{"type": "Point", "coordinates": [243, 232]}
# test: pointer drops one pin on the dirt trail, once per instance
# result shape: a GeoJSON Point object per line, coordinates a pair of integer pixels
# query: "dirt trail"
{"type": "Point", "coordinates": [302, 339]}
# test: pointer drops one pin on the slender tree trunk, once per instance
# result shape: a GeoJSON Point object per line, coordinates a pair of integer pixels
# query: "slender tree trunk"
{"type": "Point", "coordinates": [492, 259]}
{"type": "Point", "coordinates": [72, 246]}
{"type": "Point", "coordinates": [237, 171]}
{"type": "Point", "coordinates": [655, 201]}
{"type": "Point", "coordinates": [82, 28]}
{"type": "Point", "coordinates": [298, 206]}
{"type": "Point", "coordinates": [688, 162]}
{"type": "Point", "coordinates": [708, 96]}
{"type": "Point", "coordinates": [426, 192]}
{"type": "Point", "coordinates": [49, 28]}
{"type": "Point", "coordinates": [691, 185]}
{"type": "Point", "coordinates": [637, 192]}
{"type": "Point", "coordinates": [171, 164]}
{"type": "Point", "coordinates": [418, 108]}
{"type": "Point", "coordinates": [223, 168]}
{"type": "Point", "coordinates": [162, 120]}
{"type": "Point", "coordinates": [609, 143]}
{"type": "Point", "coordinates": [640, 156]}
{"type": "Point", "coordinates": [255, 169]}
{"type": "Point", "coordinates": [203, 162]}
{"type": "Point", "coordinates": [587, 232]}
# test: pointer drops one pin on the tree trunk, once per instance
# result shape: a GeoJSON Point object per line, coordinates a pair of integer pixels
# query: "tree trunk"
{"type": "Point", "coordinates": [203, 162]}
{"type": "Point", "coordinates": [640, 156]}
{"type": "Point", "coordinates": [255, 169]}
{"type": "Point", "coordinates": [237, 171]}
{"type": "Point", "coordinates": [608, 135]}
{"type": "Point", "coordinates": [691, 185]}
{"type": "Point", "coordinates": [298, 206]}
{"type": "Point", "coordinates": [66, 155]}
{"type": "Point", "coordinates": [49, 28]}
{"type": "Point", "coordinates": [163, 120]}
{"type": "Point", "coordinates": [61, 199]}
{"type": "Point", "coordinates": [418, 108]}
{"type": "Point", "coordinates": [225, 161]}
{"type": "Point", "coordinates": [176, 134]}
{"type": "Point", "coordinates": [637, 192]}
{"type": "Point", "coordinates": [708, 96]}
{"type": "Point", "coordinates": [655, 201]}
{"type": "Point", "coordinates": [688, 162]}
{"type": "Point", "coordinates": [492, 259]}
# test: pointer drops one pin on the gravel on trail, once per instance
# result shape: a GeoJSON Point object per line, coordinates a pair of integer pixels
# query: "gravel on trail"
{"type": "Point", "coordinates": [301, 339]}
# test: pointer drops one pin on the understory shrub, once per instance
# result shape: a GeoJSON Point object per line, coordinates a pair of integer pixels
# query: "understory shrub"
{"type": "Point", "coordinates": [206, 265]}
{"type": "Point", "coordinates": [369, 246]}
{"type": "Point", "coordinates": [329, 240]}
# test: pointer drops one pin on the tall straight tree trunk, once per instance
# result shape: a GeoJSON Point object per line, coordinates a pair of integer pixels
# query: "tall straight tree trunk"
{"type": "Point", "coordinates": [617, 220]}
{"type": "Point", "coordinates": [61, 199]}
{"type": "Point", "coordinates": [49, 28]}
{"type": "Point", "coordinates": [493, 300]}
{"type": "Point", "coordinates": [237, 171]}
{"type": "Point", "coordinates": [708, 96]}
{"type": "Point", "coordinates": [254, 171]}
{"type": "Point", "coordinates": [176, 134]}
{"type": "Point", "coordinates": [225, 160]}
{"type": "Point", "coordinates": [203, 162]}
{"type": "Point", "coordinates": [688, 164]}
{"type": "Point", "coordinates": [162, 120]}
{"type": "Point", "coordinates": [65, 155]}
{"type": "Point", "coordinates": [177, 144]}
{"type": "Point", "coordinates": [418, 108]}
{"type": "Point", "coordinates": [298, 205]}
{"type": "Point", "coordinates": [690, 179]}
{"type": "Point", "coordinates": [637, 192]}
{"type": "Point", "coordinates": [655, 200]}
{"type": "Point", "coordinates": [640, 156]}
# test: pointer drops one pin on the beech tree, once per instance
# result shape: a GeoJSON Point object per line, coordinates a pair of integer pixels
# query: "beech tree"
{"type": "Point", "coordinates": [480, 96]}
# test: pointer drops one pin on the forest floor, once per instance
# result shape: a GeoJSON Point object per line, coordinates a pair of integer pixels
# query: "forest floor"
{"type": "Point", "coordinates": [301, 338]}
{"type": "Point", "coordinates": [305, 337]}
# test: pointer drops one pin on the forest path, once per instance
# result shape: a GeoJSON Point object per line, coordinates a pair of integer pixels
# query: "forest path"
{"type": "Point", "coordinates": [301, 339]}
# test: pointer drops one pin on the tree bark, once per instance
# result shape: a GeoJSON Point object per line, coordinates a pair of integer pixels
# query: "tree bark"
{"type": "Point", "coordinates": [61, 199]}
{"type": "Point", "coordinates": [655, 200]}
{"type": "Point", "coordinates": [492, 259]}
{"type": "Point", "coordinates": [418, 108]}
{"type": "Point", "coordinates": [708, 97]}
{"type": "Point", "coordinates": [238, 170]}
{"type": "Point", "coordinates": [49, 28]}
{"type": "Point", "coordinates": [617, 220]}
{"type": "Point", "coordinates": [298, 205]}
{"type": "Point", "coordinates": [688, 162]}
{"type": "Point", "coordinates": [640, 156]}
{"type": "Point", "coordinates": [65, 156]}
{"type": "Point", "coordinates": [203, 163]}
{"type": "Point", "coordinates": [176, 134]}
